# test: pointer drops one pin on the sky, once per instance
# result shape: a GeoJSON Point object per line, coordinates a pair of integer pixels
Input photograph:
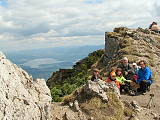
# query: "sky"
{"type": "Point", "coordinates": [32, 24]}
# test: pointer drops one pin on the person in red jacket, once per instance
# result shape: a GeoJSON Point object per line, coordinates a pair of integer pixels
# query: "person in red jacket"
{"type": "Point", "coordinates": [112, 78]}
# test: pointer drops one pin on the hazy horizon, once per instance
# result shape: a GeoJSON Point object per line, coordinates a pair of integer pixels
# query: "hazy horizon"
{"type": "Point", "coordinates": [41, 63]}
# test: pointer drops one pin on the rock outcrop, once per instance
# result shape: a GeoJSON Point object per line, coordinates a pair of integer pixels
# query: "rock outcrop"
{"type": "Point", "coordinates": [93, 101]}
{"type": "Point", "coordinates": [21, 97]}
{"type": "Point", "coordinates": [99, 89]}
{"type": "Point", "coordinates": [136, 44]}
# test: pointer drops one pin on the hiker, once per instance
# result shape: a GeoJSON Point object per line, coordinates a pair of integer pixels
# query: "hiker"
{"type": "Point", "coordinates": [154, 27]}
{"type": "Point", "coordinates": [134, 70]}
{"type": "Point", "coordinates": [96, 76]}
{"type": "Point", "coordinates": [112, 78]}
{"type": "Point", "coordinates": [124, 84]}
{"type": "Point", "coordinates": [126, 68]}
{"type": "Point", "coordinates": [150, 26]}
{"type": "Point", "coordinates": [144, 77]}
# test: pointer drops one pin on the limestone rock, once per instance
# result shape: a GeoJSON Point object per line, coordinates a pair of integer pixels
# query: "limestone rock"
{"type": "Point", "coordinates": [97, 89]}
{"type": "Point", "coordinates": [68, 116]}
{"type": "Point", "coordinates": [136, 106]}
{"type": "Point", "coordinates": [2, 56]}
{"type": "Point", "coordinates": [76, 106]}
{"type": "Point", "coordinates": [114, 88]}
{"type": "Point", "coordinates": [21, 97]}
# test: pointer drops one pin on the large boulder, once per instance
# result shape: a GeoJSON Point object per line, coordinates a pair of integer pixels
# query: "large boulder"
{"type": "Point", "coordinates": [99, 89]}
{"type": "Point", "coordinates": [96, 100]}
{"type": "Point", "coordinates": [21, 97]}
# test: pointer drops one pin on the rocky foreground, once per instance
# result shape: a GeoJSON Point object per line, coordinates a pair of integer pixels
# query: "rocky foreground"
{"type": "Point", "coordinates": [21, 97]}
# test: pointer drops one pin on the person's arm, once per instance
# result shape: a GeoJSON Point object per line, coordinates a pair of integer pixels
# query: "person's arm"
{"type": "Point", "coordinates": [147, 74]}
{"type": "Point", "coordinates": [119, 80]}
{"type": "Point", "coordinates": [139, 76]}
{"type": "Point", "coordinates": [129, 68]}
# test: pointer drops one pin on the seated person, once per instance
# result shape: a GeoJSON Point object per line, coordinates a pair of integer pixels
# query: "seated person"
{"type": "Point", "coordinates": [112, 78]}
{"type": "Point", "coordinates": [154, 27]}
{"type": "Point", "coordinates": [124, 84]}
{"type": "Point", "coordinates": [126, 68]}
{"type": "Point", "coordinates": [96, 76]}
{"type": "Point", "coordinates": [135, 69]}
{"type": "Point", "coordinates": [144, 77]}
{"type": "Point", "coordinates": [150, 26]}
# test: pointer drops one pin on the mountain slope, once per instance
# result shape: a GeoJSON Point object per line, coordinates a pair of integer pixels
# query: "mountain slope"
{"type": "Point", "coordinates": [65, 81]}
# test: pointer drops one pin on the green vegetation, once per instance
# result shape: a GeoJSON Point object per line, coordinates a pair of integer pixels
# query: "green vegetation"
{"type": "Point", "coordinates": [77, 77]}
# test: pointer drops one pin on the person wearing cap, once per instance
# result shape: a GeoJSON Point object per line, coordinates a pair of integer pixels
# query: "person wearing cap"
{"type": "Point", "coordinates": [126, 68]}
{"type": "Point", "coordinates": [135, 69]}
{"type": "Point", "coordinates": [144, 77]}
{"type": "Point", "coordinates": [96, 76]}
{"type": "Point", "coordinates": [112, 79]}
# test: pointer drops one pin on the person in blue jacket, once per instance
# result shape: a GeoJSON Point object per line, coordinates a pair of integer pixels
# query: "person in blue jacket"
{"type": "Point", "coordinates": [144, 77]}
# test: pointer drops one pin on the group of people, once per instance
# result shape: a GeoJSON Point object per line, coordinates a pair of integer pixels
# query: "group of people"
{"type": "Point", "coordinates": [154, 27]}
{"type": "Point", "coordinates": [124, 75]}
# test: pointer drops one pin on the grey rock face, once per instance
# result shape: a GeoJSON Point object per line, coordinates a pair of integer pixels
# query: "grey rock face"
{"type": "Point", "coordinates": [76, 106]}
{"type": "Point", "coordinates": [21, 97]}
{"type": "Point", "coordinates": [97, 89]}
{"type": "Point", "coordinates": [111, 46]}
{"type": "Point", "coordinates": [100, 88]}
{"type": "Point", "coordinates": [136, 106]}
{"type": "Point", "coordinates": [114, 88]}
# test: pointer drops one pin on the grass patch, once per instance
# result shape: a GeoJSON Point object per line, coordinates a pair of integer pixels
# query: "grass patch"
{"type": "Point", "coordinates": [96, 108]}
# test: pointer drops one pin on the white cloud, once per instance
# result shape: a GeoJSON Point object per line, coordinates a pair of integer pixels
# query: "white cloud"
{"type": "Point", "coordinates": [28, 24]}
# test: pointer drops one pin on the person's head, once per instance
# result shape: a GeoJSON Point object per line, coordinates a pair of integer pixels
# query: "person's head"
{"type": "Point", "coordinates": [125, 60]}
{"type": "Point", "coordinates": [113, 69]}
{"type": "Point", "coordinates": [112, 75]}
{"type": "Point", "coordinates": [96, 71]}
{"type": "Point", "coordinates": [119, 72]}
{"type": "Point", "coordinates": [134, 65]}
{"type": "Point", "coordinates": [154, 23]}
{"type": "Point", "coordinates": [142, 64]}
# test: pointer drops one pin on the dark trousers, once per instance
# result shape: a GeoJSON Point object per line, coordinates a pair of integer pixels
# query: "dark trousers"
{"type": "Point", "coordinates": [144, 85]}
{"type": "Point", "coordinates": [125, 87]}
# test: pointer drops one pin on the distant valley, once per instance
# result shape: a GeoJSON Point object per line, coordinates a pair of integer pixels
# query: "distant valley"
{"type": "Point", "coordinates": [41, 63]}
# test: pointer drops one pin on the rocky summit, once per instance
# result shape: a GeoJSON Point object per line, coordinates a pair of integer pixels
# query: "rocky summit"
{"type": "Point", "coordinates": [21, 97]}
